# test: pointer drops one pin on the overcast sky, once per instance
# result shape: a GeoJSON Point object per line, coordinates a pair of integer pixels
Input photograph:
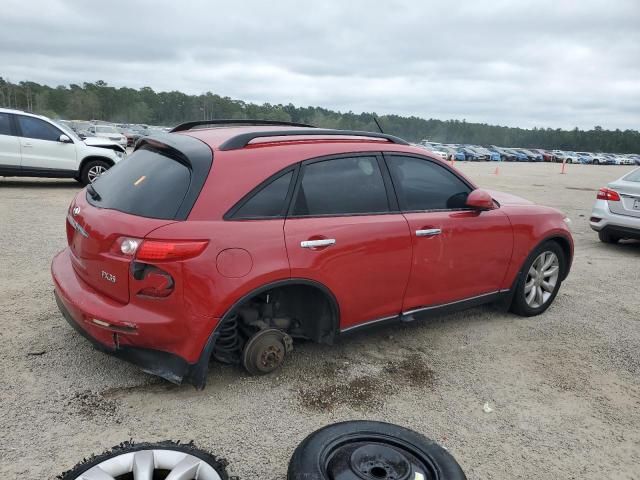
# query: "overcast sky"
{"type": "Point", "coordinates": [550, 63]}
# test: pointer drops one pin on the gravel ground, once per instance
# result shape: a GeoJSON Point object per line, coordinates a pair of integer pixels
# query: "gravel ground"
{"type": "Point", "coordinates": [564, 387]}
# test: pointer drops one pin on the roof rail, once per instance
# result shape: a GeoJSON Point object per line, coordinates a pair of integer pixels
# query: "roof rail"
{"type": "Point", "coordinates": [243, 139]}
{"type": "Point", "coordinates": [189, 125]}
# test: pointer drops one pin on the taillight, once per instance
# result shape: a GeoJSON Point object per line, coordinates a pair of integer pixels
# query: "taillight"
{"type": "Point", "coordinates": [159, 250]}
{"type": "Point", "coordinates": [608, 194]}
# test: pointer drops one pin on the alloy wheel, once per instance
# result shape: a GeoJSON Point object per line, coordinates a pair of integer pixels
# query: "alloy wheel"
{"type": "Point", "coordinates": [95, 171]}
{"type": "Point", "coordinates": [542, 279]}
{"type": "Point", "coordinates": [151, 464]}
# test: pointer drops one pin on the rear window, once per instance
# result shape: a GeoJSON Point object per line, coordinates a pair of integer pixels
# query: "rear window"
{"type": "Point", "coordinates": [147, 184]}
{"type": "Point", "coordinates": [633, 176]}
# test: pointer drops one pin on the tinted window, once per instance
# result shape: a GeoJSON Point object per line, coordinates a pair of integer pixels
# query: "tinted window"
{"type": "Point", "coordinates": [424, 185]}
{"type": "Point", "coordinates": [342, 186]}
{"type": "Point", "coordinates": [5, 124]}
{"type": "Point", "coordinates": [269, 201]}
{"type": "Point", "coordinates": [38, 129]}
{"type": "Point", "coordinates": [146, 183]}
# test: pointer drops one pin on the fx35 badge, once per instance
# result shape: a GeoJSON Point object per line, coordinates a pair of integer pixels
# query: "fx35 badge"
{"type": "Point", "coordinates": [109, 277]}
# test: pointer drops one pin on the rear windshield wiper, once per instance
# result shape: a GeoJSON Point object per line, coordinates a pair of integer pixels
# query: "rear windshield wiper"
{"type": "Point", "coordinates": [94, 194]}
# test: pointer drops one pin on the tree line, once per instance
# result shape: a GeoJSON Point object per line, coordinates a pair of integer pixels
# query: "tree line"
{"type": "Point", "coordinates": [127, 105]}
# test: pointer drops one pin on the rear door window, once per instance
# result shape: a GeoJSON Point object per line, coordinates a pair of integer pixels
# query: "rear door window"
{"type": "Point", "coordinates": [147, 184]}
{"type": "Point", "coordinates": [343, 186]}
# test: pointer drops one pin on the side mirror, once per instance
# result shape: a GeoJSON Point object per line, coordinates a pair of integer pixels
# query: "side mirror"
{"type": "Point", "coordinates": [480, 200]}
{"type": "Point", "coordinates": [64, 139]}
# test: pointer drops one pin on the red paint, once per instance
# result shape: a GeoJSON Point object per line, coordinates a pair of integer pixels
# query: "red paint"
{"type": "Point", "coordinates": [378, 267]}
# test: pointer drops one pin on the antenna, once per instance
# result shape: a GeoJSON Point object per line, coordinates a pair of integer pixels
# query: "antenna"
{"type": "Point", "coordinates": [375, 119]}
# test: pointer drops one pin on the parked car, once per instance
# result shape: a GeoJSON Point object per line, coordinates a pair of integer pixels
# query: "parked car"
{"type": "Point", "coordinates": [108, 131]}
{"type": "Point", "coordinates": [36, 146]}
{"type": "Point", "coordinates": [624, 159]}
{"type": "Point", "coordinates": [519, 155]}
{"type": "Point", "coordinates": [470, 155]}
{"type": "Point", "coordinates": [131, 135]}
{"type": "Point", "coordinates": [81, 128]}
{"type": "Point", "coordinates": [531, 156]}
{"type": "Point", "coordinates": [586, 158]}
{"type": "Point", "coordinates": [485, 154]}
{"type": "Point", "coordinates": [547, 156]}
{"type": "Point", "coordinates": [568, 157]}
{"type": "Point", "coordinates": [616, 212]}
{"type": "Point", "coordinates": [505, 154]}
{"type": "Point", "coordinates": [171, 262]}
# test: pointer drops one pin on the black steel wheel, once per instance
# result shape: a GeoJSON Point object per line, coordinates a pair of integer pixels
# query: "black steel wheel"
{"type": "Point", "coordinates": [364, 450]}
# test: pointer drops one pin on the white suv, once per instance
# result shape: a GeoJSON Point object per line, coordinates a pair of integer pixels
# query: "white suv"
{"type": "Point", "coordinates": [35, 146]}
{"type": "Point", "coordinates": [109, 132]}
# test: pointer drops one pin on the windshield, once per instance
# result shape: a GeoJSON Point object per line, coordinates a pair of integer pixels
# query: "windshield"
{"type": "Point", "coordinates": [103, 129]}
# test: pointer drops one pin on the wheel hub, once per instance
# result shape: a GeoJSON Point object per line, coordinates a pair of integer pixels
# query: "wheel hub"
{"type": "Point", "coordinates": [265, 351]}
{"type": "Point", "coordinates": [271, 357]}
{"type": "Point", "coordinates": [378, 462]}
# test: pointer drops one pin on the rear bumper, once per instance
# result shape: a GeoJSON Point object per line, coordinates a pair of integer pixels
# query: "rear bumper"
{"type": "Point", "coordinates": [163, 364]}
{"type": "Point", "coordinates": [623, 225]}
{"type": "Point", "coordinates": [152, 341]}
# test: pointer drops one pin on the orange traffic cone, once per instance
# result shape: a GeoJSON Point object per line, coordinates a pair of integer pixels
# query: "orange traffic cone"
{"type": "Point", "coordinates": [564, 163]}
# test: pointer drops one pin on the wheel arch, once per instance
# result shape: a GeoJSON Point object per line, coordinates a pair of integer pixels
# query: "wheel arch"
{"type": "Point", "coordinates": [567, 249]}
{"type": "Point", "coordinates": [198, 372]}
{"type": "Point", "coordinates": [91, 157]}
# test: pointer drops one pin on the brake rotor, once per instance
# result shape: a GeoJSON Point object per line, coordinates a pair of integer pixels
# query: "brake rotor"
{"type": "Point", "coordinates": [265, 351]}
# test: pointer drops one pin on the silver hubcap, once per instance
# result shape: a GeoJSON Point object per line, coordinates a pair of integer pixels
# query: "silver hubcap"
{"type": "Point", "coordinates": [542, 279]}
{"type": "Point", "coordinates": [144, 463]}
{"type": "Point", "coordinates": [95, 172]}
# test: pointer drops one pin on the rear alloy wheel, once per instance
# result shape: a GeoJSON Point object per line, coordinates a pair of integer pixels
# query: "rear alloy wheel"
{"type": "Point", "coordinates": [92, 170]}
{"type": "Point", "coordinates": [364, 450]}
{"type": "Point", "coordinates": [540, 280]}
{"type": "Point", "coordinates": [606, 237]}
{"type": "Point", "coordinates": [265, 351]}
{"type": "Point", "coordinates": [146, 461]}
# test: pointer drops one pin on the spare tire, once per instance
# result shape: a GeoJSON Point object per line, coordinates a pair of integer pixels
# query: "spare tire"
{"type": "Point", "coordinates": [364, 450]}
{"type": "Point", "coordinates": [150, 460]}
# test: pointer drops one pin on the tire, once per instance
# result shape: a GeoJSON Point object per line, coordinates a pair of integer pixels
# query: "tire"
{"type": "Point", "coordinates": [92, 168]}
{"type": "Point", "coordinates": [208, 465]}
{"type": "Point", "coordinates": [606, 237]}
{"type": "Point", "coordinates": [596, 162]}
{"type": "Point", "coordinates": [370, 450]}
{"type": "Point", "coordinates": [545, 291]}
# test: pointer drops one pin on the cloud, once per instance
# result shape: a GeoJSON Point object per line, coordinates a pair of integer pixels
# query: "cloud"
{"type": "Point", "coordinates": [528, 63]}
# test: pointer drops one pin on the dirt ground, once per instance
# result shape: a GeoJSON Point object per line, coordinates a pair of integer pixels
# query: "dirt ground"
{"type": "Point", "coordinates": [564, 387]}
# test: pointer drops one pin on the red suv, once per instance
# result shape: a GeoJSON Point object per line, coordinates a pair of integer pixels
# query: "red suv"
{"type": "Point", "coordinates": [230, 239]}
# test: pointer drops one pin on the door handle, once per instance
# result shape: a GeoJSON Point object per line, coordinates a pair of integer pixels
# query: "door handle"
{"type": "Point", "coordinates": [428, 232]}
{"type": "Point", "coordinates": [27, 144]}
{"type": "Point", "coordinates": [325, 242]}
